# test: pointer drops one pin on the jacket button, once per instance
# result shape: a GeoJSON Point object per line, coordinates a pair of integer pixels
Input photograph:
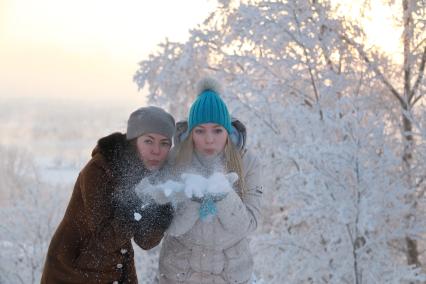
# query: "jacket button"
{"type": "Point", "coordinates": [119, 265]}
{"type": "Point", "coordinates": [115, 282]}
{"type": "Point", "coordinates": [123, 251]}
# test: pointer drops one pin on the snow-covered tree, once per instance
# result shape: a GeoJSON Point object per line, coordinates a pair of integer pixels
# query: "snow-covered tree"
{"type": "Point", "coordinates": [404, 83]}
{"type": "Point", "coordinates": [342, 205]}
{"type": "Point", "coordinates": [316, 106]}
{"type": "Point", "coordinates": [29, 214]}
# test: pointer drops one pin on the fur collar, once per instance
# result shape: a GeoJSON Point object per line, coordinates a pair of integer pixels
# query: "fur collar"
{"type": "Point", "coordinates": [122, 157]}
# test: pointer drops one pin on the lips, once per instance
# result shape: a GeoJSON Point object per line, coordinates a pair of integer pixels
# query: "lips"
{"type": "Point", "coordinates": [154, 162]}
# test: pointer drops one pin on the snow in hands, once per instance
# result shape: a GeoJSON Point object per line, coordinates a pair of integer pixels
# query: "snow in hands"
{"type": "Point", "coordinates": [190, 186]}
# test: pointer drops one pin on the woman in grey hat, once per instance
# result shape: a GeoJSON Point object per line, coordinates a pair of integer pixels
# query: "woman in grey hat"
{"type": "Point", "coordinates": [93, 241]}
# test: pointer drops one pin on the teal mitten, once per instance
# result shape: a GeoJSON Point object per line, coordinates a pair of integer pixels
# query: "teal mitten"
{"type": "Point", "coordinates": [207, 208]}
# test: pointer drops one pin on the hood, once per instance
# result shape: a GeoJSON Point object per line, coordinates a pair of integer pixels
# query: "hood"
{"type": "Point", "coordinates": [112, 146]}
{"type": "Point", "coordinates": [238, 133]}
{"type": "Point", "coordinates": [120, 155]}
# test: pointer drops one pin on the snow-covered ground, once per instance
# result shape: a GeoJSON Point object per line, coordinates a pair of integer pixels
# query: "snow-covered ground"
{"type": "Point", "coordinates": [59, 135]}
{"type": "Point", "coordinates": [45, 143]}
{"type": "Point", "coordinates": [48, 142]}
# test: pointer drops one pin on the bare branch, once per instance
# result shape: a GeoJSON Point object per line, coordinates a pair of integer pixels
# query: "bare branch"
{"type": "Point", "coordinates": [274, 129]}
{"type": "Point", "coordinates": [419, 78]}
{"type": "Point", "coordinates": [376, 70]}
{"type": "Point", "coordinates": [417, 99]}
{"type": "Point", "coordinates": [423, 190]}
{"type": "Point", "coordinates": [311, 74]}
{"type": "Point", "coordinates": [419, 45]}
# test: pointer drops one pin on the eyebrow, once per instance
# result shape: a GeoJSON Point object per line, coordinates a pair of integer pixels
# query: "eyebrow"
{"type": "Point", "coordinates": [162, 140]}
{"type": "Point", "coordinates": [215, 126]}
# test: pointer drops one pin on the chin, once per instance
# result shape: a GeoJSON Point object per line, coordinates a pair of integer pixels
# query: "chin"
{"type": "Point", "coordinates": [210, 156]}
{"type": "Point", "coordinates": [153, 168]}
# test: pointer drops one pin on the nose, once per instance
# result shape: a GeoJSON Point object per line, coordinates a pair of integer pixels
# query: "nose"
{"type": "Point", "coordinates": [155, 149]}
{"type": "Point", "coordinates": [209, 138]}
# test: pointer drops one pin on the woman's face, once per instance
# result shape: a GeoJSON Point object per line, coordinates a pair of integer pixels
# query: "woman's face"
{"type": "Point", "coordinates": [153, 149]}
{"type": "Point", "coordinates": [209, 139]}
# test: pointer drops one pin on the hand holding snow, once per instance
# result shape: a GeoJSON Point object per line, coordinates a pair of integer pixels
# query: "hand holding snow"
{"type": "Point", "coordinates": [218, 183]}
{"type": "Point", "coordinates": [194, 185]}
{"type": "Point", "coordinates": [190, 186]}
{"type": "Point", "coordinates": [199, 186]}
{"type": "Point", "coordinates": [169, 191]}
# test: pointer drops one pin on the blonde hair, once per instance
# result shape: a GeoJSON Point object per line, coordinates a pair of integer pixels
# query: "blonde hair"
{"type": "Point", "coordinates": [233, 160]}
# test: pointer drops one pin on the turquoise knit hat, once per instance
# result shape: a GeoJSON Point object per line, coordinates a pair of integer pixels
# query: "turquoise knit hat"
{"type": "Point", "coordinates": [209, 107]}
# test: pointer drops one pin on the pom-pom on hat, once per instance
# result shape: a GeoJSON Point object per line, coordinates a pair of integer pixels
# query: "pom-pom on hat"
{"type": "Point", "coordinates": [209, 106]}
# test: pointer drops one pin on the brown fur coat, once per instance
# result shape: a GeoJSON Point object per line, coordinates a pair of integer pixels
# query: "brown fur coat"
{"type": "Point", "coordinates": [93, 242]}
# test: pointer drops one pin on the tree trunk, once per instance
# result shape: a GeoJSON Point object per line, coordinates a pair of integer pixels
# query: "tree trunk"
{"type": "Point", "coordinates": [411, 244]}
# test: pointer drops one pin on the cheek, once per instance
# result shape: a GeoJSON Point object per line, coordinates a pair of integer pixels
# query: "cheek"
{"type": "Point", "coordinates": [139, 148]}
{"type": "Point", "coordinates": [197, 140]}
{"type": "Point", "coordinates": [222, 141]}
{"type": "Point", "coordinates": [164, 152]}
{"type": "Point", "coordinates": [142, 150]}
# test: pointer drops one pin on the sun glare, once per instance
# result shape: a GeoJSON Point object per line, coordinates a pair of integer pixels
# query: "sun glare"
{"type": "Point", "coordinates": [62, 46]}
{"type": "Point", "coordinates": [83, 47]}
{"type": "Point", "coordinates": [378, 24]}
{"type": "Point", "coordinates": [382, 31]}
{"type": "Point", "coordinates": [117, 27]}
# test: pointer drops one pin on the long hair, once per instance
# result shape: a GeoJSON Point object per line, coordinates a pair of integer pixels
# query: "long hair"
{"type": "Point", "coordinates": [233, 160]}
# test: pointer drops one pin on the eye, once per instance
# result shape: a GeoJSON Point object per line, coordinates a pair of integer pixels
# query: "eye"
{"type": "Point", "coordinates": [199, 131]}
{"type": "Point", "coordinates": [148, 141]}
{"type": "Point", "coordinates": [218, 130]}
{"type": "Point", "coordinates": [166, 144]}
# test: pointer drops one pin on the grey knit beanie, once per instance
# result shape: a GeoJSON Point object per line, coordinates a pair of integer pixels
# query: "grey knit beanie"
{"type": "Point", "coordinates": [150, 120]}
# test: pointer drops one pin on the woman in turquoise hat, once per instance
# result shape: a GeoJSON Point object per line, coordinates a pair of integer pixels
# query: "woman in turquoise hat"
{"type": "Point", "coordinates": [207, 240]}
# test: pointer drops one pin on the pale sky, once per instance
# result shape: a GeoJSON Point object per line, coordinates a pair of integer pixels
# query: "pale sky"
{"type": "Point", "coordinates": [86, 48]}
{"type": "Point", "coordinates": [90, 48]}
